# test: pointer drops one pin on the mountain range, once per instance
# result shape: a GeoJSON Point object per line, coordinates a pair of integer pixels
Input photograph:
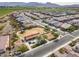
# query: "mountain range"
{"type": "Point", "coordinates": [36, 4]}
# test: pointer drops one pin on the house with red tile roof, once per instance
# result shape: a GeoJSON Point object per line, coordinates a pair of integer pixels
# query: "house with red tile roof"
{"type": "Point", "coordinates": [4, 42]}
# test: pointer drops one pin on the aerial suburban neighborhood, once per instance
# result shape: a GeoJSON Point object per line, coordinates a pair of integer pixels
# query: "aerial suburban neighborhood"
{"type": "Point", "coordinates": [39, 31]}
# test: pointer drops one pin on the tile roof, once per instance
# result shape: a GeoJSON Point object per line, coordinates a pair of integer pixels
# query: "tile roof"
{"type": "Point", "coordinates": [4, 42]}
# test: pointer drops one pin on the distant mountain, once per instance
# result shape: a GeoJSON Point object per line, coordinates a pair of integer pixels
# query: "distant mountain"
{"type": "Point", "coordinates": [48, 4]}
{"type": "Point", "coordinates": [36, 4]}
{"type": "Point", "coordinates": [72, 6]}
{"type": "Point", "coordinates": [12, 4]}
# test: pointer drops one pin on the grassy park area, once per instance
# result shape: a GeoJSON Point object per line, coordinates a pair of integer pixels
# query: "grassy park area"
{"type": "Point", "coordinates": [7, 10]}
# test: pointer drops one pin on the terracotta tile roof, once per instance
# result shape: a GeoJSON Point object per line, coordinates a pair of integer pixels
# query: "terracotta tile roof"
{"type": "Point", "coordinates": [4, 42]}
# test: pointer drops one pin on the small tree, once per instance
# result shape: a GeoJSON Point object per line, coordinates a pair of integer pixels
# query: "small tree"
{"type": "Point", "coordinates": [62, 50]}
{"type": "Point", "coordinates": [41, 40]}
{"type": "Point", "coordinates": [72, 44]}
{"type": "Point", "coordinates": [72, 28]}
{"type": "Point", "coordinates": [1, 27]}
{"type": "Point", "coordinates": [55, 34]}
{"type": "Point", "coordinates": [14, 38]}
{"type": "Point", "coordinates": [45, 37]}
{"type": "Point", "coordinates": [22, 48]}
{"type": "Point", "coordinates": [47, 29]}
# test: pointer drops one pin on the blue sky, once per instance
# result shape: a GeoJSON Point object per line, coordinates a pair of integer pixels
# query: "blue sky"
{"type": "Point", "coordinates": [61, 2]}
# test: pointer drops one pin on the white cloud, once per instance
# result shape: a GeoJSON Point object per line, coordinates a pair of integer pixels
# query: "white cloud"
{"type": "Point", "coordinates": [39, 0]}
{"type": "Point", "coordinates": [44, 1]}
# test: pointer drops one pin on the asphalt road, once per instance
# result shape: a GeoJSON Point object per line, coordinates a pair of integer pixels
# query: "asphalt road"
{"type": "Point", "coordinates": [48, 47]}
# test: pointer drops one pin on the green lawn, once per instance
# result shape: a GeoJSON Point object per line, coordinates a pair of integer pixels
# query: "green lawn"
{"type": "Point", "coordinates": [4, 11]}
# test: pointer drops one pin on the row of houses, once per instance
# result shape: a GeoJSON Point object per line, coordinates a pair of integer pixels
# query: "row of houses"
{"type": "Point", "coordinates": [67, 52]}
{"type": "Point", "coordinates": [24, 20]}
{"type": "Point", "coordinates": [29, 14]}
{"type": "Point", "coordinates": [58, 24]}
{"type": "Point", "coordinates": [41, 16]}
{"type": "Point", "coordinates": [55, 14]}
{"type": "Point", "coordinates": [59, 14]}
{"type": "Point", "coordinates": [75, 22]}
{"type": "Point", "coordinates": [66, 18]}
